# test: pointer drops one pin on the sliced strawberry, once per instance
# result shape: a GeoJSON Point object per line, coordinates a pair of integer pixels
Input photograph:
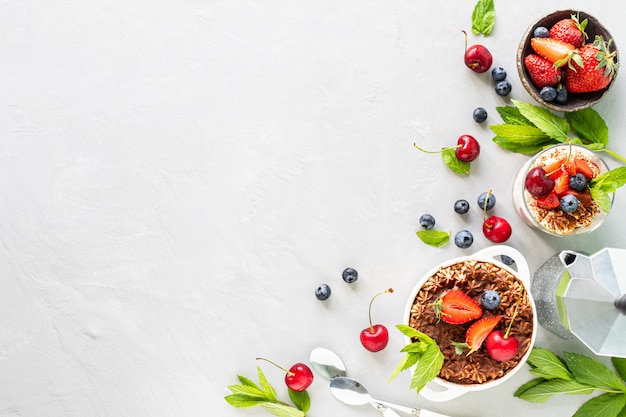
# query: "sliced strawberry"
{"type": "Point", "coordinates": [583, 167]}
{"type": "Point", "coordinates": [570, 167]}
{"type": "Point", "coordinates": [478, 332]}
{"type": "Point", "coordinates": [548, 202]}
{"type": "Point", "coordinates": [584, 197]}
{"type": "Point", "coordinates": [554, 50]}
{"type": "Point", "coordinates": [553, 167]}
{"type": "Point", "coordinates": [456, 307]}
{"type": "Point", "coordinates": [561, 184]}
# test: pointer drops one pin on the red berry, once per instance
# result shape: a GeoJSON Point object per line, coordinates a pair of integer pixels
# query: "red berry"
{"type": "Point", "coordinates": [541, 71]}
{"type": "Point", "coordinates": [467, 149]}
{"type": "Point", "coordinates": [477, 57]}
{"type": "Point", "coordinates": [500, 347]}
{"type": "Point", "coordinates": [299, 377]}
{"type": "Point", "coordinates": [554, 50]}
{"type": "Point", "coordinates": [478, 332]}
{"type": "Point", "coordinates": [496, 229]}
{"type": "Point", "coordinates": [375, 337]}
{"type": "Point", "coordinates": [456, 307]}
{"type": "Point", "coordinates": [593, 68]}
{"type": "Point", "coordinates": [537, 183]}
{"type": "Point", "coordinates": [569, 30]}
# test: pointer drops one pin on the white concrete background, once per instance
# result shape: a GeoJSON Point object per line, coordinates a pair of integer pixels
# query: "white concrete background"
{"type": "Point", "coordinates": [177, 177]}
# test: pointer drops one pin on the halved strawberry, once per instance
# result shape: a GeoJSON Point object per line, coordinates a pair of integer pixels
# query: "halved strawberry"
{"type": "Point", "coordinates": [554, 50]}
{"type": "Point", "coordinates": [570, 167]}
{"type": "Point", "coordinates": [553, 168]}
{"type": "Point", "coordinates": [582, 166]}
{"type": "Point", "coordinates": [456, 307]}
{"type": "Point", "coordinates": [561, 184]}
{"type": "Point", "coordinates": [477, 333]}
{"type": "Point", "coordinates": [548, 202]}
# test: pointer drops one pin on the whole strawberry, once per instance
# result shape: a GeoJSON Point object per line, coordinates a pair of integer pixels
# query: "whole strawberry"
{"type": "Point", "coordinates": [592, 68]}
{"type": "Point", "coordinates": [570, 31]}
{"type": "Point", "coordinates": [541, 71]}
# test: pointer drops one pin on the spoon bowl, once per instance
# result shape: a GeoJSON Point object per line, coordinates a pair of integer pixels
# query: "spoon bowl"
{"type": "Point", "coordinates": [327, 363]}
{"type": "Point", "coordinates": [349, 391]}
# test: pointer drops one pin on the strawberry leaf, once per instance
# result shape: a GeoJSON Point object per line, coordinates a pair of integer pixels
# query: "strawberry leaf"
{"type": "Point", "coordinates": [483, 17]}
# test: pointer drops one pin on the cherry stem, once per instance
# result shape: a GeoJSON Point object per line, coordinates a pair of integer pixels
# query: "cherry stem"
{"type": "Point", "coordinates": [519, 300]}
{"type": "Point", "coordinates": [465, 33]}
{"type": "Point", "coordinates": [388, 290]}
{"type": "Point", "coordinates": [442, 149]}
{"type": "Point", "coordinates": [276, 365]}
{"type": "Point", "coordinates": [485, 206]}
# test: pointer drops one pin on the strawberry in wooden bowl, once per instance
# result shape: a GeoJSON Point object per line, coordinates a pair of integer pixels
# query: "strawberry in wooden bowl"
{"type": "Point", "coordinates": [567, 60]}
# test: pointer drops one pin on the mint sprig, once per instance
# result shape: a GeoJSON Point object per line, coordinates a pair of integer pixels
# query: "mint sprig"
{"type": "Point", "coordinates": [603, 185]}
{"type": "Point", "coordinates": [577, 374]}
{"type": "Point", "coordinates": [424, 354]}
{"type": "Point", "coordinates": [249, 394]}
{"type": "Point", "coordinates": [483, 17]}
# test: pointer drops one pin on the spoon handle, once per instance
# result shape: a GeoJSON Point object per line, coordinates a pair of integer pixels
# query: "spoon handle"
{"type": "Point", "coordinates": [385, 411]}
{"type": "Point", "coordinates": [404, 409]}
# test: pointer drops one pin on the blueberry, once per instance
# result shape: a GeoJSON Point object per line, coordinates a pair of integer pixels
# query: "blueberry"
{"type": "Point", "coordinates": [480, 114]}
{"type": "Point", "coordinates": [561, 95]}
{"type": "Point", "coordinates": [503, 88]}
{"type": "Point", "coordinates": [461, 206]}
{"type": "Point", "coordinates": [350, 275]}
{"type": "Point", "coordinates": [490, 299]}
{"type": "Point", "coordinates": [491, 201]}
{"type": "Point", "coordinates": [578, 182]}
{"type": "Point", "coordinates": [569, 203]}
{"type": "Point", "coordinates": [463, 239]}
{"type": "Point", "coordinates": [427, 221]}
{"type": "Point", "coordinates": [498, 74]}
{"type": "Point", "coordinates": [507, 260]}
{"type": "Point", "coordinates": [548, 93]}
{"type": "Point", "coordinates": [541, 32]}
{"type": "Point", "coordinates": [322, 292]}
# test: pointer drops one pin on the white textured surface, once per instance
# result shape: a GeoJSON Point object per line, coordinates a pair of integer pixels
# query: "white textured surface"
{"type": "Point", "coordinates": [177, 177]}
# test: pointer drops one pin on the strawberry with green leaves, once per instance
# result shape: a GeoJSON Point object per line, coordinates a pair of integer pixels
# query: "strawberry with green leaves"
{"type": "Point", "coordinates": [456, 307]}
{"type": "Point", "coordinates": [592, 68]}
{"type": "Point", "coordinates": [556, 51]}
{"type": "Point", "coordinates": [541, 71]}
{"type": "Point", "coordinates": [570, 30]}
{"type": "Point", "coordinates": [476, 334]}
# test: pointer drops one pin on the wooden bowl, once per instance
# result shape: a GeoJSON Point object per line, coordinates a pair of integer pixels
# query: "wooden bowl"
{"type": "Point", "coordinates": [576, 101]}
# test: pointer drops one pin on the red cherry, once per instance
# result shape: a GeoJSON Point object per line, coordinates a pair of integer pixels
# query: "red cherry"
{"type": "Point", "coordinates": [496, 229]}
{"type": "Point", "coordinates": [467, 149]}
{"type": "Point", "coordinates": [500, 347]}
{"type": "Point", "coordinates": [477, 57]}
{"type": "Point", "coordinates": [297, 378]}
{"type": "Point", "coordinates": [375, 337]}
{"type": "Point", "coordinates": [538, 183]}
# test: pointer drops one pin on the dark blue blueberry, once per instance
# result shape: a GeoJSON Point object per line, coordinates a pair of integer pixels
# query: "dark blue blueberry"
{"type": "Point", "coordinates": [569, 203]}
{"type": "Point", "coordinates": [561, 95]}
{"type": "Point", "coordinates": [427, 221]}
{"type": "Point", "coordinates": [498, 74]}
{"type": "Point", "coordinates": [490, 299]}
{"type": "Point", "coordinates": [461, 206]}
{"type": "Point", "coordinates": [322, 292]}
{"type": "Point", "coordinates": [463, 239]}
{"type": "Point", "coordinates": [507, 260]}
{"type": "Point", "coordinates": [578, 182]}
{"type": "Point", "coordinates": [480, 114]}
{"type": "Point", "coordinates": [548, 93]}
{"type": "Point", "coordinates": [491, 201]}
{"type": "Point", "coordinates": [541, 32]}
{"type": "Point", "coordinates": [350, 275]}
{"type": "Point", "coordinates": [503, 88]}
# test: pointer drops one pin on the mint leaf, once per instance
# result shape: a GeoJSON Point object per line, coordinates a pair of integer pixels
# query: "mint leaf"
{"type": "Point", "coordinates": [512, 116]}
{"type": "Point", "coordinates": [449, 158]}
{"type": "Point", "coordinates": [602, 199]}
{"type": "Point", "coordinates": [516, 147]}
{"type": "Point", "coordinates": [301, 399]}
{"type": "Point", "coordinates": [606, 405]}
{"type": "Point", "coordinates": [546, 364]}
{"type": "Point", "coordinates": [589, 125]}
{"type": "Point", "coordinates": [434, 237]}
{"type": "Point", "coordinates": [610, 181]}
{"type": "Point", "coordinates": [521, 134]}
{"type": "Point", "coordinates": [281, 410]}
{"type": "Point", "coordinates": [267, 388]}
{"type": "Point", "coordinates": [428, 367]}
{"type": "Point", "coordinates": [620, 366]}
{"type": "Point", "coordinates": [244, 401]}
{"type": "Point", "coordinates": [592, 372]}
{"type": "Point", "coordinates": [483, 17]}
{"type": "Point", "coordinates": [528, 385]}
{"type": "Point", "coordinates": [541, 392]}
{"type": "Point", "coordinates": [549, 123]}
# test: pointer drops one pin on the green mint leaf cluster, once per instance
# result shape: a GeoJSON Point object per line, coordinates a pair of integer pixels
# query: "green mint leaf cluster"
{"type": "Point", "coordinates": [604, 185]}
{"type": "Point", "coordinates": [449, 158]}
{"type": "Point", "coordinates": [483, 17]}
{"type": "Point", "coordinates": [424, 354]}
{"type": "Point", "coordinates": [249, 394]}
{"type": "Point", "coordinates": [578, 375]}
{"type": "Point", "coordinates": [434, 237]}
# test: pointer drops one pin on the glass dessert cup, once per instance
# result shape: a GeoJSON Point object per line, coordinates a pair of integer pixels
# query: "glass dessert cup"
{"type": "Point", "coordinates": [555, 222]}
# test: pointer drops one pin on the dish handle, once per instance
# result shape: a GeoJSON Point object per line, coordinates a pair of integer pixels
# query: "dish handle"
{"type": "Point", "coordinates": [494, 252]}
{"type": "Point", "coordinates": [444, 393]}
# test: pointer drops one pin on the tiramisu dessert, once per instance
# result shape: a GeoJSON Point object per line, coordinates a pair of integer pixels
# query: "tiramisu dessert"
{"type": "Point", "coordinates": [480, 316]}
{"type": "Point", "coordinates": [552, 192]}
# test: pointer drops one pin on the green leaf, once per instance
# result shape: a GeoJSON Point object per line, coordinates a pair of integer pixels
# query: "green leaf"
{"type": "Point", "coordinates": [301, 399]}
{"type": "Point", "coordinates": [602, 199]}
{"type": "Point", "coordinates": [428, 367]}
{"type": "Point", "coordinates": [243, 401]}
{"type": "Point", "coordinates": [251, 391]}
{"type": "Point", "coordinates": [512, 116]}
{"type": "Point", "coordinates": [546, 364]}
{"type": "Point", "coordinates": [620, 366]}
{"type": "Point", "coordinates": [449, 158]}
{"type": "Point", "coordinates": [590, 371]}
{"type": "Point", "coordinates": [516, 147]}
{"type": "Point", "coordinates": [521, 134]}
{"type": "Point", "coordinates": [267, 388]}
{"type": "Point", "coordinates": [281, 410]}
{"type": "Point", "coordinates": [606, 405]}
{"type": "Point", "coordinates": [549, 123]}
{"type": "Point", "coordinates": [610, 181]}
{"type": "Point", "coordinates": [434, 237]}
{"type": "Point", "coordinates": [483, 17]}
{"type": "Point", "coordinates": [528, 385]}
{"type": "Point", "coordinates": [405, 363]}
{"type": "Point", "coordinates": [589, 125]}
{"type": "Point", "coordinates": [541, 392]}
